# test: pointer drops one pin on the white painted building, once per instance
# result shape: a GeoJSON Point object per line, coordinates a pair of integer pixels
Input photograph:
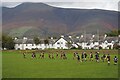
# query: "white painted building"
{"type": "Point", "coordinates": [106, 43]}
{"type": "Point", "coordinates": [24, 44]}
{"type": "Point", "coordinates": [62, 43]}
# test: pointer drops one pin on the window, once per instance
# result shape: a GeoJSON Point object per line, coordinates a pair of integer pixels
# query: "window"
{"type": "Point", "coordinates": [36, 48]}
{"type": "Point", "coordinates": [18, 49]}
{"type": "Point", "coordinates": [18, 44]}
{"type": "Point", "coordinates": [27, 49]}
{"type": "Point", "coordinates": [88, 43]}
{"type": "Point", "coordinates": [33, 48]}
{"type": "Point", "coordinates": [58, 43]}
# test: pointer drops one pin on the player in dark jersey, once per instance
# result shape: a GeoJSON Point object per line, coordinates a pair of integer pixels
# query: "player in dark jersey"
{"type": "Point", "coordinates": [85, 56]}
{"type": "Point", "coordinates": [103, 57]}
{"type": "Point", "coordinates": [108, 59]}
{"type": "Point", "coordinates": [115, 60]}
{"type": "Point", "coordinates": [61, 55]}
{"type": "Point", "coordinates": [42, 57]}
{"type": "Point", "coordinates": [24, 56]}
{"type": "Point", "coordinates": [57, 55]}
{"type": "Point", "coordinates": [33, 55]}
{"type": "Point", "coordinates": [53, 56]}
{"type": "Point", "coordinates": [78, 57]}
{"type": "Point", "coordinates": [82, 56]}
{"type": "Point", "coordinates": [49, 56]}
{"type": "Point", "coordinates": [97, 57]}
{"type": "Point", "coordinates": [91, 56]}
{"type": "Point", "coordinates": [64, 56]}
{"type": "Point", "coordinates": [74, 55]}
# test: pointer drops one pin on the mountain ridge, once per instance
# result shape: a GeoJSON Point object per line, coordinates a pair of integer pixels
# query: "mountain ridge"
{"type": "Point", "coordinates": [49, 19]}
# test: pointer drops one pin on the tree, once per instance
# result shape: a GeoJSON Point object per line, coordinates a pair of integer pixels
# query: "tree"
{"type": "Point", "coordinates": [114, 33]}
{"type": "Point", "coordinates": [46, 41]}
{"type": "Point", "coordinates": [79, 47]}
{"type": "Point", "coordinates": [52, 37]}
{"type": "Point", "coordinates": [100, 47]}
{"type": "Point", "coordinates": [4, 40]}
{"type": "Point", "coordinates": [10, 43]}
{"type": "Point", "coordinates": [116, 46]}
{"type": "Point", "coordinates": [7, 42]}
{"type": "Point", "coordinates": [36, 40]}
{"type": "Point", "coordinates": [69, 44]}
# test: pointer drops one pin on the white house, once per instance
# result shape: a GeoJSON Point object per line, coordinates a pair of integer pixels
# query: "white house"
{"type": "Point", "coordinates": [61, 44]}
{"type": "Point", "coordinates": [96, 43]}
{"type": "Point", "coordinates": [107, 45]}
{"type": "Point", "coordinates": [24, 44]}
{"type": "Point", "coordinates": [67, 43]}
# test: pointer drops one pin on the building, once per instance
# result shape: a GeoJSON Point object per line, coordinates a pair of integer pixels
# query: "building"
{"type": "Point", "coordinates": [28, 44]}
{"type": "Point", "coordinates": [87, 42]}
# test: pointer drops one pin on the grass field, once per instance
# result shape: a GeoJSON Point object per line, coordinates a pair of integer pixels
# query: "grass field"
{"type": "Point", "coordinates": [0, 64]}
{"type": "Point", "coordinates": [15, 66]}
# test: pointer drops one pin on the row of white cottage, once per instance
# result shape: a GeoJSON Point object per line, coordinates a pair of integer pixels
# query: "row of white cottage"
{"type": "Point", "coordinates": [65, 43]}
{"type": "Point", "coordinates": [24, 44]}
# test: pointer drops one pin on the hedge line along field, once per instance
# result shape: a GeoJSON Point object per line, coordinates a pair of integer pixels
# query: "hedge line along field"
{"type": "Point", "coordinates": [15, 66]}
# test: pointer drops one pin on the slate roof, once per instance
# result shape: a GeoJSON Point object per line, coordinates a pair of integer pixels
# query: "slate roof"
{"type": "Point", "coordinates": [110, 39]}
{"type": "Point", "coordinates": [75, 40]}
{"type": "Point", "coordinates": [31, 41]}
{"type": "Point", "coordinates": [20, 41]}
{"type": "Point", "coordinates": [52, 41]}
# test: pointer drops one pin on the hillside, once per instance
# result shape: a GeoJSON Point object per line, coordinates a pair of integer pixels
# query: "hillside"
{"type": "Point", "coordinates": [29, 19]}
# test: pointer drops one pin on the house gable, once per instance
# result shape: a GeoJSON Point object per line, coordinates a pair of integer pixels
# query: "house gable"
{"type": "Point", "coordinates": [61, 40]}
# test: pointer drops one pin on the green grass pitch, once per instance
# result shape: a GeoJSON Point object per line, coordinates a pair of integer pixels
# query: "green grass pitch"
{"type": "Point", "coordinates": [15, 66]}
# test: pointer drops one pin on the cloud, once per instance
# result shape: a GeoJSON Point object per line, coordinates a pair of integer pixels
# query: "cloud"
{"type": "Point", "coordinates": [87, 5]}
{"type": "Point", "coordinates": [60, 0]}
{"type": "Point", "coordinates": [81, 4]}
{"type": "Point", "coordinates": [10, 4]}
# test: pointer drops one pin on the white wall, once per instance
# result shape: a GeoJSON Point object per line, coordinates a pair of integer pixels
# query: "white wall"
{"type": "Point", "coordinates": [62, 44]}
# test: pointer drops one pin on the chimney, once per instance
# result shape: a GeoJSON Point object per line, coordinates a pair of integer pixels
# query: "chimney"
{"type": "Point", "coordinates": [15, 38]}
{"type": "Point", "coordinates": [24, 37]}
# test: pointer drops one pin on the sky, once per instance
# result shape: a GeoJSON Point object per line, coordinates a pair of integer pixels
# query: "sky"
{"type": "Point", "coordinates": [80, 4]}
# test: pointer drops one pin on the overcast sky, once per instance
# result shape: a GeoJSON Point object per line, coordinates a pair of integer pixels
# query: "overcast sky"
{"type": "Point", "coordinates": [82, 4]}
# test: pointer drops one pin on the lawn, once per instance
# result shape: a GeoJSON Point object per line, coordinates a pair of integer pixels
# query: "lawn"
{"type": "Point", "coordinates": [0, 64]}
{"type": "Point", "coordinates": [15, 66]}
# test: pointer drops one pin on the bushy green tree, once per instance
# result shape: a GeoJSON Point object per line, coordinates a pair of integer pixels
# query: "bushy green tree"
{"type": "Point", "coordinates": [46, 41]}
{"type": "Point", "coordinates": [36, 40]}
{"type": "Point", "coordinates": [116, 46]}
{"type": "Point", "coordinates": [114, 33]}
{"type": "Point", "coordinates": [69, 44]}
{"type": "Point", "coordinates": [7, 42]}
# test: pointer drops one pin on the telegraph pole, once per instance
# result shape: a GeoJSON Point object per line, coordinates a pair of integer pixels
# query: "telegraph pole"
{"type": "Point", "coordinates": [84, 39]}
{"type": "Point", "coordinates": [98, 38]}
